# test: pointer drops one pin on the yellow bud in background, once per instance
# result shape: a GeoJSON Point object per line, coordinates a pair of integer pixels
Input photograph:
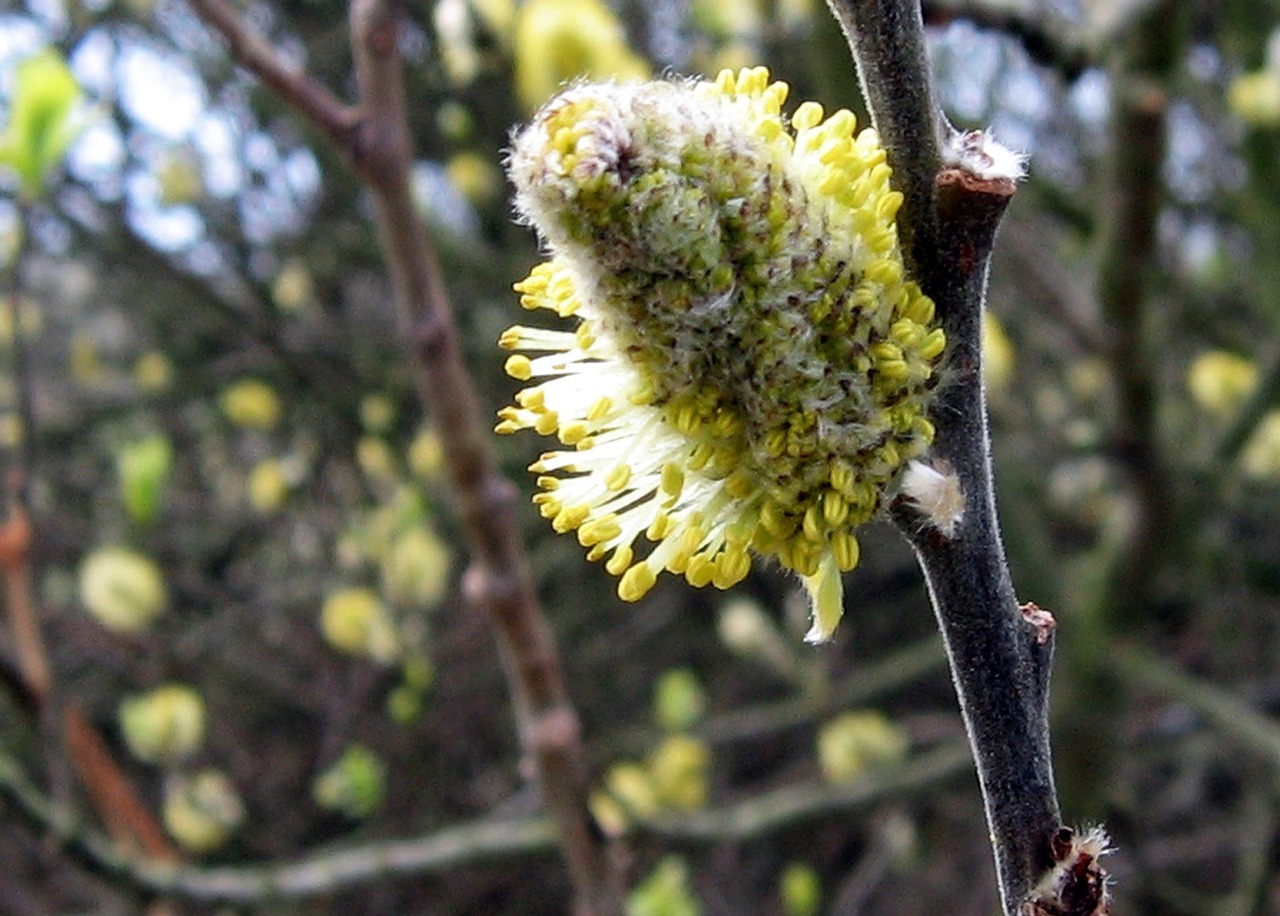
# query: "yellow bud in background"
{"type": "Point", "coordinates": [10, 429]}
{"type": "Point", "coordinates": [557, 40]}
{"type": "Point", "coordinates": [202, 810]}
{"type": "Point", "coordinates": [377, 413]}
{"type": "Point", "coordinates": [455, 122]}
{"type": "Point", "coordinates": [293, 287]}
{"type": "Point", "coordinates": [727, 17]}
{"type": "Point", "coordinates": [86, 363]}
{"type": "Point", "coordinates": [30, 320]}
{"type": "Point", "coordinates": [854, 742]}
{"type": "Point", "coordinates": [165, 725]}
{"type": "Point", "coordinates": [415, 571]}
{"type": "Point", "coordinates": [153, 372]}
{"type": "Point", "coordinates": [268, 487]}
{"type": "Point", "coordinates": [123, 589]}
{"type": "Point", "coordinates": [1261, 455]}
{"type": "Point", "coordinates": [252, 404]}
{"type": "Point", "coordinates": [498, 16]}
{"type": "Point", "coordinates": [1220, 381]}
{"type": "Point", "coordinates": [632, 786]}
{"type": "Point", "coordinates": [1255, 98]}
{"type": "Point", "coordinates": [455, 32]}
{"type": "Point", "coordinates": [475, 177]}
{"type": "Point", "coordinates": [997, 353]}
{"type": "Point", "coordinates": [354, 620]}
{"type": "Point", "coordinates": [426, 455]}
{"type": "Point", "coordinates": [179, 178]}
{"type": "Point", "coordinates": [377, 460]}
{"type": "Point", "coordinates": [680, 766]}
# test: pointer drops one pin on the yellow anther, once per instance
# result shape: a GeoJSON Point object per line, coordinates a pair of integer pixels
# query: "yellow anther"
{"type": "Point", "coordinates": [812, 526]}
{"type": "Point", "coordinates": [598, 530]}
{"type": "Point", "coordinates": [774, 520]}
{"type": "Point", "coordinates": [933, 344]}
{"type": "Point", "coordinates": [807, 116]}
{"type": "Point", "coordinates": [617, 564]}
{"type": "Point", "coordinates": [842, 476]}
{"type": "Point", "coordinates": [701, 456]}
{"type": "Point", "coordinates": [700, 571]}
{"type": "Point", "coordinates": [923, 428]}
{"type": "Point", "coordinates": [805, 557]}
{"type": "Point", "coordinates": [569, 518]}
{"type": "Point", "coordinates": [532, 398]}
{"type": "Point", "coordinates": [518, 366]}
{"type": "Point", "coordinates": [740, 484]}
{"type": "Point", "coordinates": [835, 511]}
{"type": "Point", "coordinates": [844, 546]}
{"type": "Point", "coordinates": [618, 477]}
{"type": "Point", "coordinates": [511, 337]}
{"type": "Point", "coordinates": [600, 409]}
{"type": "Point", "coordinates": [548, 483]}
{"type": "Point", "coordinates": [660, 527]}
{"type": "Point", "coordinates": [733, 566]}
{"type": "Point", "coordinates": [636, 582]}
{"type": "Point", "coordinates": [547, 423]}
{"type": "Point", "coordinates": [672, 479]}
{"type": "Point", "coordinates": [573, 433]}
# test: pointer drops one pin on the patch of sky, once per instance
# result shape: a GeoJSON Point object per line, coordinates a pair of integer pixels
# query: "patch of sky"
{"type": "Point", "coordinates": [51, 14]}
{"type": "Point", "coordinates": [19, 38]}
{"type": "Point", "coordinates": [302, 172]}
{"type": "Point", "coordinates": [967, 62]}
{"type": "Point", "coordinates": [167, 229]}
{"type": "Point", "coordinates": [97, 157]}
{"type": "Point", "coordinates": [91, 61]}
{"type": "Point", "coordinates": [216, 138]}
{"type": "Point", "coordinates": [443, 205]}
{"type": "Point", "coordinates": [159, 92]}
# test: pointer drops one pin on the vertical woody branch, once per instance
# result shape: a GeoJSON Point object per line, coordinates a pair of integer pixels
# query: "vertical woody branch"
{"type": "Point", "coordinates": [499, 583]}
{"type": "Point", "coordinates": [955, 195]}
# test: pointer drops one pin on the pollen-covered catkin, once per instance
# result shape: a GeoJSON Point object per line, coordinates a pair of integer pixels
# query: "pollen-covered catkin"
{"type": "Point", "coordinates": [751, 368]}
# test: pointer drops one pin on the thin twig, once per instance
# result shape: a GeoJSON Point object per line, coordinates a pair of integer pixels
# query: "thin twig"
{"type": "Point", "coordinates": [1047, 39]}
{"type": "Point", "coordinates": [1226, 713]}
{"type": "Point", "coordinates": [464, 844]}
{"type": "Point", "coordinates": [498, 581]}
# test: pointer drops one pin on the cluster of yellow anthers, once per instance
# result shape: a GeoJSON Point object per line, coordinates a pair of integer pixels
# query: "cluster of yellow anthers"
{"type": "Point", "coordinates": [751, 369]}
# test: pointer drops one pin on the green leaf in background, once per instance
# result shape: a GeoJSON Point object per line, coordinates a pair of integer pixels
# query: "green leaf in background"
{"type": "Point", "coordinates": [42, 120]}
{"type": "Point", "coordinates": [801, 890]}
{"type": "Point", "coordinates": [144, 467]}
{"type": "Point", "coordinates": [678, 700]}
{"type": "Point", "coordinates": [355, 784]}
{"type": "Point", "coordinates": [666, 892]}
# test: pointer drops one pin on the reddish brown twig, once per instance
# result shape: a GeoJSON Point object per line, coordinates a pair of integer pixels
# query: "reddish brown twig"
{"type": "Point", "coordinates": [498, 582]}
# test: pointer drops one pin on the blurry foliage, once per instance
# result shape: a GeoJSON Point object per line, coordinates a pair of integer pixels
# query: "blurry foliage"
{"type": "Point", "coordinates": [235, 489]}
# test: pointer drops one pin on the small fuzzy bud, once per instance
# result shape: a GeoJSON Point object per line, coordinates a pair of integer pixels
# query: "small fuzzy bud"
{"type": "Point", "coordinates": [934, 491]}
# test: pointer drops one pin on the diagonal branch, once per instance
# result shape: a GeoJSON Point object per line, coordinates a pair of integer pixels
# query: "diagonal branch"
{"type": "Point", "coordinates": [498, 582]}
{"type": "Point", "coordinates": [470, 844]}
{"type": "Point", "coordinates": [956, 189]}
